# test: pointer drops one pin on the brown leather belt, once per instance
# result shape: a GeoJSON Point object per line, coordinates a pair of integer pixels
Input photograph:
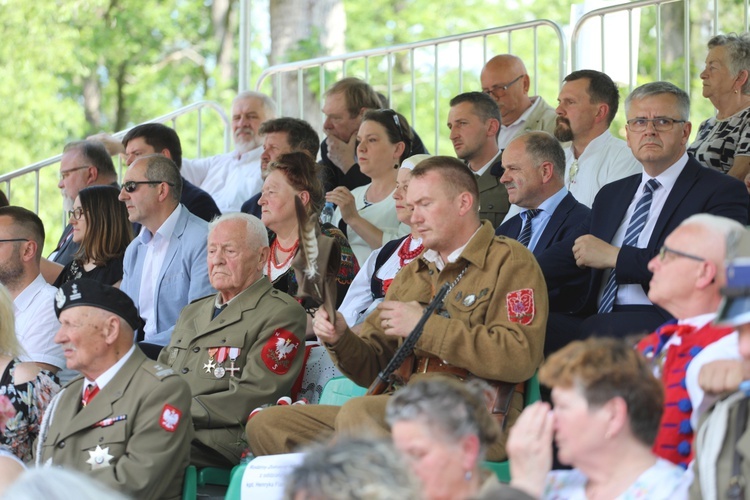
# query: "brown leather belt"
{"type": "Point", "coordinates": [432, 364]}
{"type": "Point", "coordinates": [503, 391]}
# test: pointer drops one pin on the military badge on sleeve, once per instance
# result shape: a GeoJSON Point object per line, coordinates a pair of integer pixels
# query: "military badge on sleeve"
{"type": "Point", "coordinates": [279, 351]}
{"type": "Point", "coordinates": [520, 306]}
{"type": "Point", "coordinates": [170, 418]}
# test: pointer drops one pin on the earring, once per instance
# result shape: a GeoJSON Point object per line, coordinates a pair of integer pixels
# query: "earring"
{"type": "Point", "coordinates": [736, 91]}
{"type": "Point", "coordinates": [467, 476]}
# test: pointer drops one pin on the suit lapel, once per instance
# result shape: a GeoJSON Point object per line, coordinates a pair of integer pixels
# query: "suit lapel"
{"type": "Point", "coordinates": [615, 210]}
{"type": "Point", "coordinates": [101, 406]}
{"type": "Point", "coordinates": [174, 244]}
{"type": "Point", "coordinates": [487, 181]}
{"type": "Point", "coordinates": [247, 300]}
{"type": "Point", "coordinates": [554, 223]}
{"type": "Point", "coordinates": [685, 181]}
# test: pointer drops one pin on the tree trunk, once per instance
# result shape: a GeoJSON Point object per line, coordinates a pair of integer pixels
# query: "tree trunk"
{"type": "Point", "coordinates": [304, 29]}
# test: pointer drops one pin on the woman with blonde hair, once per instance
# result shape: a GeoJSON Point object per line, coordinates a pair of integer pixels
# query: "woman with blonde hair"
{"type": "Point", "coordinates": [25, 389]}
{"type": "Point", "coordinates": [607, 408]}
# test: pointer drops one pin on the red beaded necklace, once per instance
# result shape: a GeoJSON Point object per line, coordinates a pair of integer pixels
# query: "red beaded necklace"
{"type": "Point", "coordinates": [405, 255]}
{"type": "Point", "coordinates": [272, 258]}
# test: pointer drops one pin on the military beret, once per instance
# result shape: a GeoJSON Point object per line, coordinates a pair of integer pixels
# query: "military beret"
{"type": "Point", "coordinates": [87, 292]}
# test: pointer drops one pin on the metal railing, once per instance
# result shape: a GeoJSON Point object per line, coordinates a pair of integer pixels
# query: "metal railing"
{"type": "Point", "coordinates": [35, 168]}
{"type": "Point", "coordinates": [438, 66]}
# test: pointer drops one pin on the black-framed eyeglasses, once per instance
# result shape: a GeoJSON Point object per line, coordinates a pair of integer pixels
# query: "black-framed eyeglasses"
{"type": "Point", "coordinates": [75, 214]}
{"type": "Point", "coordinates": [131, 186]}
{"type": "Point", "coordinates": [495, 88]}
{"type": "Point", "coordinates": [661, 124]}
{"type": "Point", "coordinates": [64, 175]}
{"type": "Point", "coordinates": [14, 239]}
{"type": "Point", "coordinates": [664, 250]}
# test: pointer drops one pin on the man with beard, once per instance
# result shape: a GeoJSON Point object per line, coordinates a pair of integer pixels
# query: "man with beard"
{"type": "Point", "coordinates": [474, 120]}
{"type": "Point", "coordinates": [588, 103]}
{"type": "Point", "coordinates": [231, 178]}
{"type": "Point", "coordinates": [21, 242]}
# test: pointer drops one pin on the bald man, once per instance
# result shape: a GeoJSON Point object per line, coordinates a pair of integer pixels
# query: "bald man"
{"type": "Point", "coordinates": [504, 78]}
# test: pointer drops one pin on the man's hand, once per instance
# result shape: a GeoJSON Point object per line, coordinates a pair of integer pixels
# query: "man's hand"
{"type": "Point", "coordinates": [341, 153]}
{"type": "Point", "coordinates": [530, 448]}
{"type": "Point", "coordinates": [723, 375]}
{"type": "Point", "coordinates": [325, 330]}
{"type": "Point", "coordinates": [590, 251]}
{"type": "Point", "coordinates": [114, 146]}
{"type": "Point", "coordinates": [399, 318]}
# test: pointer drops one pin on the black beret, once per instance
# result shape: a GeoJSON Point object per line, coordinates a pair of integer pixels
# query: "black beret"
{"type": "Point", "coordinates": [87, 292]}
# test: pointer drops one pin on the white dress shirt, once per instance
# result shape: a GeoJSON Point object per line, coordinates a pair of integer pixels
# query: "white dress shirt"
{"type": "Point", "coordinates": [633, 294]}
{"type": "Point", "coordinates": [230, 178]}
{"type": "Point", "coordinates": [606, 159]}
{"type": "Point", "coordinates": [156, 250]}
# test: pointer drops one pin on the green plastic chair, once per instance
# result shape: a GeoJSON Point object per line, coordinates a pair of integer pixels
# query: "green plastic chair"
{"type": "Point", "coordinates": [234, 492]}
{"type": "Point", "coordinates": [339, 390]}
{"type": "Point", "coordinates": [195, 478]}
{"type": "Point", "coordinates": [531, 395]}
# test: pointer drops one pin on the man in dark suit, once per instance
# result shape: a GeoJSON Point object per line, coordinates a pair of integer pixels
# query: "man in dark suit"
{"type": "Point", "coordinates": [474, 120]}
{"type": "Point", "coordinates": [631, 218]}
{"type": "Point", "coordinates": [534, 175]}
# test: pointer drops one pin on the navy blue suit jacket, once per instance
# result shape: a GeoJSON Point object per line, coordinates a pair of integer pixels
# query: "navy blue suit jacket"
{"type": "Point", "coordinates": [251, 206]}
{"type": "Point", "coordinates": [568, 215]}
{"type": "Point", "coordinates": [198, 201]}
{"type": "Point", "coordinates": [698, 190]}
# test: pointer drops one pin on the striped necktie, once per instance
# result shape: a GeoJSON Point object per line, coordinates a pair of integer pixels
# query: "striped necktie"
{"type": "Point", "coordinates": [635, 226]}
{"type": "Point", "coordinates": [525, 237]}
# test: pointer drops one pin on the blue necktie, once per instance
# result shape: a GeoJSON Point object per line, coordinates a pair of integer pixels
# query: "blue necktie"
{"type": "Point", "coordinates": [635, 226]}
{"type": "Point", "coordinates": [525, 237]}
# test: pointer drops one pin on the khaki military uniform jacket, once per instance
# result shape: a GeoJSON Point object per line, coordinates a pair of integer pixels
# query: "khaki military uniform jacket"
{"type": "Point", "coordinates": [723, 469]}
{"type": "Point", "coordinates": [493, 323]}
{"type": "Point", "coordinates": [268, 328]}
{"type": "Point", "coordinates": [544, 117]}
{"type": "Point", "coordinates": [493, 197]}
{"type": "Point", "coordinates": [133, 436]}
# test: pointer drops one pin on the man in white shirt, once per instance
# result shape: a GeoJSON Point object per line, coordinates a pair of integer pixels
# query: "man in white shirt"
{"type": "Point", "coordinates": [588, 103]}
{"type": "Point", "coordinates": [473, 121]}
{"type": "Point", "coordinates": [688, 275]}
{"type": "Point", "coordinates": [231, 178]}
{"type": "Point", "coordinates": [21, 243]}
{"type": "Point", "coordinates": [165, 265]}
{"type": "Point", "coordinates": [504, 78]}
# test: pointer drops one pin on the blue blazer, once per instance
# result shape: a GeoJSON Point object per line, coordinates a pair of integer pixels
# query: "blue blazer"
{"type": "Point", "coordinates": [183, 277]}
{"type": "Point", "coordinates": [568, 215]}
{"type": "Point", "coordinates": [698, 190]}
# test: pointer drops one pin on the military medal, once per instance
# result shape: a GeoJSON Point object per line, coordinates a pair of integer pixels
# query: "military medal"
{"type": "Point", "coordinates": [234, 352]}
{"type": "Point", "coordinates": [209, 367]}
{"type": "Point", "coordinates": [221, 356]}
{"type": "Point", "coordinates": [99, 458]}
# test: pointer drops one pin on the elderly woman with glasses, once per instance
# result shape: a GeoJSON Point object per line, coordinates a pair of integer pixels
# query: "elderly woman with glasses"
{"type": "Point", "coordinates": [367, 215]}
{"type": "Point", "coordinates": [723, 141]}
{"type": "Point", "coordinates": [607, 408]}
{"type": "Point", "coordinates": [103, 232]}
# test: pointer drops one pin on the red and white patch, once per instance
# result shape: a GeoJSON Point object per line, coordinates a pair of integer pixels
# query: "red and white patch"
{"type": "Point", "coordinates": [387, 285]}
{"type": "Point", "coordinates": [280, 350]}
{"type": "Point", "coordinates": [520, 306]}
{"type": "Point", "coordinates": [170, 418]}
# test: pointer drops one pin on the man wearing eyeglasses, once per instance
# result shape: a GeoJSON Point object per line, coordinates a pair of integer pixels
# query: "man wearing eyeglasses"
{"type": "Point", "coordinates": [587, 104]}
{"type": "Point", "coordinates": [688, 275]}
{"type": "Point", "coordinates": [21, 242]}
{"type": "Point", "coordinates": [165, 265]}
{"type": "Point", "coordinates": [631, 218]}
{"type": "Point", "coordinates": [504, 78]}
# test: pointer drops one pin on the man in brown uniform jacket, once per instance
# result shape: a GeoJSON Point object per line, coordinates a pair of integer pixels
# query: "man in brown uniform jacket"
{"type": "Point", "coordinates": [491, 326]}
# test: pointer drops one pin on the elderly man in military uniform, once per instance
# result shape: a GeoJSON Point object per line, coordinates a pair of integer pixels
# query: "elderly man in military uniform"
{"type": "Point", "coordinates": [491, 325]}
{"type": "Point", "coordinates": [126, 421]}
{"type": "Point", "coordinates": [238, 349]}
